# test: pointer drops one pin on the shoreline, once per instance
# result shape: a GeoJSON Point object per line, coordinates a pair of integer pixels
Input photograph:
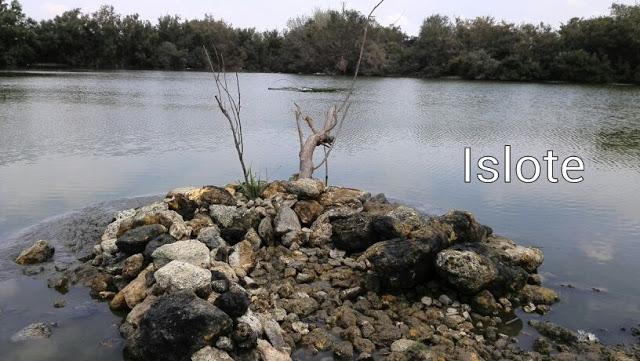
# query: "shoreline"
{"type": "Point", "coordinates": [346, 76]}
{"type": "Point", "coordinates": [189, 203]}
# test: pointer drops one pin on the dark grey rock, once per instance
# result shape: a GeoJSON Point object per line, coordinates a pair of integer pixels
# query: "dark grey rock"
{"type": "Point", "coordinates": [156, 243]}
{"type": "Point", "coordinates": [464, 226]}
{"type": "Point", "coordinates": [343, 350]}
{"type": "Point", "coordinates": [401, 264]}
{"type": "Point", "coordinates": [176, 326]}
{"type": "Point", "coordinates": [59, 282]}
{"type": "Point", "coordinates": [286, 221]}
{"type": "Point", "coordinates": [554, 332]}
{"type": "Point", "coordinates": [234, 302]}
{"type": "Point", "coordinates": [244, 336]}
{"type": "Point", "coordinates": [135, 240]}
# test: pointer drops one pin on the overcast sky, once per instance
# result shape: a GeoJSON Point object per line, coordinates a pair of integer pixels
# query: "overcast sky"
{"type": "Point", "coordinates": [408, 14]}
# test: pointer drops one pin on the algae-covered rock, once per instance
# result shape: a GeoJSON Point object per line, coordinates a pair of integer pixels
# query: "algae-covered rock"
{"type": "Point", "coordinates": [39, 252]}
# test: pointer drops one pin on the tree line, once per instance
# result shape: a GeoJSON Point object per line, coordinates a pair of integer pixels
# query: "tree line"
{"type": "Point", "coordinates": [599, 49]}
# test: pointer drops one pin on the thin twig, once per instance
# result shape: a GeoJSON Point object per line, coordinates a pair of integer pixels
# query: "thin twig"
{"type": "Point", "coordinates": [225, 97]}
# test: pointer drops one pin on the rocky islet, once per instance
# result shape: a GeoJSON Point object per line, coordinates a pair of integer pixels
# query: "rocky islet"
{"type": "Point", "coordinates": [208, 274]}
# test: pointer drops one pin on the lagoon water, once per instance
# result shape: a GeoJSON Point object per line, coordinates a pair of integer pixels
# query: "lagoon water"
{"type": "Point", "coordinates": [69, 140]}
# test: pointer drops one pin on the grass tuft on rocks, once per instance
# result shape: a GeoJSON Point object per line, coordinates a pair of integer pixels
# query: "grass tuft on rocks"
{"type": "Point", "coordinates": [253, 187]}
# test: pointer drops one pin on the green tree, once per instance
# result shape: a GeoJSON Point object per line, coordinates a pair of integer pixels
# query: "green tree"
{"type": "Point", "coordinates": [434, 48]}
{"type": "Point", "coordinates": [169, 57]}
{"type": "Point", "coordinates": [475, 64]}
{"type": "Point", "coordinates": [17, 36]}
{"type": "Point", "coordinates": [598, 49]}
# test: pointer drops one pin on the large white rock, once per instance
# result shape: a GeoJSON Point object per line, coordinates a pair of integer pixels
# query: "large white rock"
{"type": "Point", "coordinates": [223, 215]}
{"type": "Point", "coordinates": [190, 251]}
{"type": "Point", "coordinates": [182, 276]}
{"type": "Point", "coordinates": [305, 188]}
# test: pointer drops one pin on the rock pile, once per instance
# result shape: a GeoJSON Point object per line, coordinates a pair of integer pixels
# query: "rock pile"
{"type": "Point", "coordinates": [208, 274]}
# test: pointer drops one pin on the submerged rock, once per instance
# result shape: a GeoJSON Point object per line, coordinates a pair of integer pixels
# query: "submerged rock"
{"type": "Point", "coordinates": [175, 327]}
{"type": "Point", "coordinates": [539, 295]}
{"type": "Point", "coordinates": [35, 331]}
{"type": "Point", "coordinates": [59, 282]}
{"type": "Point", "coordinates": [39, 252]}
{"type": "Point", "coordinates": [554, 332]}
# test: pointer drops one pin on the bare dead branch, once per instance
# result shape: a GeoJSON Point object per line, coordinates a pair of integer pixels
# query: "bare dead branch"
{"type": "Point", "coordinates": [335, 118]}
{"type": "Point", "coordinates": [228, 105]}
{"type": "Point", "coordinates": [298, 113]}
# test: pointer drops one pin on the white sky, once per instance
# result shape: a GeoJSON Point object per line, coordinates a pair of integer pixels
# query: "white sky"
{"type": "Point", "coordinates": [408, 14]}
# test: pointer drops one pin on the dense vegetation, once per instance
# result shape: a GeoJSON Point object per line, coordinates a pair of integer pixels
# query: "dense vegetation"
{"type": "Point", "coordinates": [600, 49]}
